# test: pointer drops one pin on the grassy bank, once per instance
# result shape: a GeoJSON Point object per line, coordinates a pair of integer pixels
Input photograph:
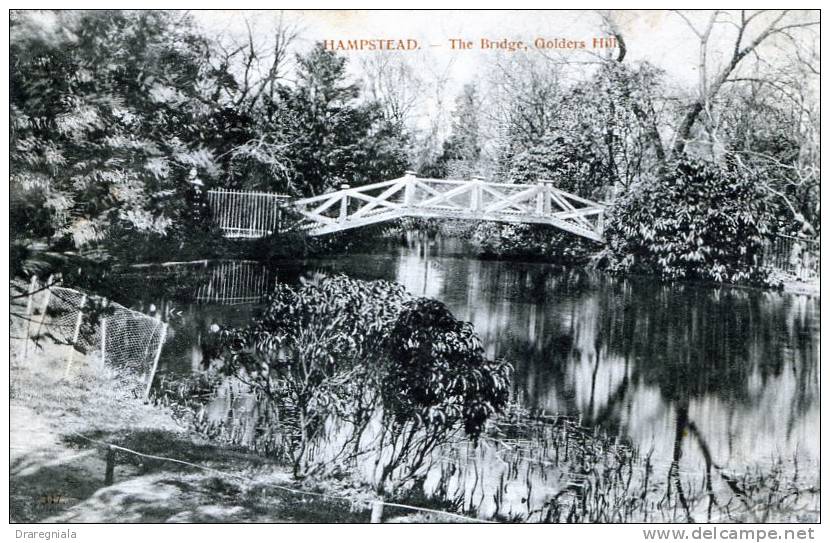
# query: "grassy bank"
{"type": "Point", "coordinates": [58, 476]}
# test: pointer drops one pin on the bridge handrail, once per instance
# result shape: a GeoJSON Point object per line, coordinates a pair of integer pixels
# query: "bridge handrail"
{"type": "Point", "coordinates": [327, 195]}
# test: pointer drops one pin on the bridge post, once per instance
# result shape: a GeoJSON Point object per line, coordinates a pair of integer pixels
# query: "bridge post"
{"type": "Point", "coordinates": [475, 195]}
{"type": "Point", "coordinates": [344, 203]}
{"type": "Point", "coordinates": [543, 203]}
{"type": "Point", "coordinates": [409, 189]}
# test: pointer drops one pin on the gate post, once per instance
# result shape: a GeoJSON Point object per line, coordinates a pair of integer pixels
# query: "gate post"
{"type": "Point", "coordinates": [344, 203]}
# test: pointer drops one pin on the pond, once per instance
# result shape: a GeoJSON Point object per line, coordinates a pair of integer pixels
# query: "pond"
{"type": "Point", "coordinates": [624, 354]}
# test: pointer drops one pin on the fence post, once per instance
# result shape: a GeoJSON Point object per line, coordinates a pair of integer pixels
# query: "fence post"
{"type": "Point", "coordinates": [45, 303]}
{"type": "Point", "coordinates": [103, 341]}
{"type": "Point", "coordinates": [162, 337]}
{"type": "Point", "coordinates": [377, 512]}
{"type": "Point", "coordinates": [42, 311]}
{"type": "Point", "coordinates": [75, 334]}
{"type": "Point", "coordinates": [344, 203]}
{"type": "Point", "coordinates": [31, 293]}
{"type": "Point", "coordinates": [30, 299]}
{"type": "Point", "coordinates": [109, 474]}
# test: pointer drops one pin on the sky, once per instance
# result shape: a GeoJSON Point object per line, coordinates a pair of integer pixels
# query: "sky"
{"type": "Point", "coordinates": [663, 38]}
{"type": "Point", "coordinates": [659, 37]}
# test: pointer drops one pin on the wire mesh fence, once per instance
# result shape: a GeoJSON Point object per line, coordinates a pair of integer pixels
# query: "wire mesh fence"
{"type": "Point", "coordinates": [130, 342]}
{"type": "Point", "coordinates": [126, 341]}
{"type": "Point", "coordinates": [798, 258]}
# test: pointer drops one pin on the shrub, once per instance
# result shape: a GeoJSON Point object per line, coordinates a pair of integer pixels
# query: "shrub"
{"type": "Point", "coordinates": [311, 354]}
{"type": "Point", "coordinates": [696, 221]}
{"type": "Point", "coordinates": [438, 382]}
{"type": "Point", "coordinates": [331, 357]}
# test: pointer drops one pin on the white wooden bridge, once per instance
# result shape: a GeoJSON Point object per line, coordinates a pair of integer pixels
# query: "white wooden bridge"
{"type": "Point", "coordinates": [252, 215]}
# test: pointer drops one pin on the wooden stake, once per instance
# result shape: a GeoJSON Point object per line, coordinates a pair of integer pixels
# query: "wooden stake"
{"type": "Point", "coordinates": [377, 512]}
{"type": "Point", "coordinates": [45, 307]}
{"type": "Point", "coordinates": [29, 303]}
{"type": "Point", "coordinates": [162, 336]}
{"type": "Point", "coordinates": [30, 298]}
{"type": "Point", "coordinates": [75, 334]}
{"type": "Point", "coordinates": [109, 474]}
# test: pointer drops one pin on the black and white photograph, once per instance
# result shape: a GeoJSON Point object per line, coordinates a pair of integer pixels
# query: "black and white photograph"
{"type": "Point", "coordinates": [275, 267]}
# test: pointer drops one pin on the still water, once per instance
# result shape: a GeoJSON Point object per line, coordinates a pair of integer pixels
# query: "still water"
{"type": "Point", "coordinates": [623, 354]}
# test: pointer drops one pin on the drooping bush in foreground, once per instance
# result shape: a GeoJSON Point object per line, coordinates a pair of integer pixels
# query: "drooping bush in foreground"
{"type": "Point", "coordinates": [696, 221]}
{"type": "Point", "coordinates": [353, 370]}
{"type": "Point", "coordinates": [437, 380]}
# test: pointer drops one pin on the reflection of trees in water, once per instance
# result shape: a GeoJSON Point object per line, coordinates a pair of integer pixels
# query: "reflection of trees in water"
{"type": "Point", "coordinates": [586, 344]}
{"type": "Point", "coordinates": [738, 348]}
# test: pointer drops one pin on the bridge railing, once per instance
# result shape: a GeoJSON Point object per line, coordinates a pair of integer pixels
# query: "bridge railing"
{"type": "Point", "coordinates": [475, 199]}
{"type": "Point", "coordinates": [249, 214]}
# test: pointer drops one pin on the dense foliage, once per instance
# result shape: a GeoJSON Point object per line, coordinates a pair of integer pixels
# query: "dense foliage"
{"type": "Point", "coordinates": [333, 137]}
{"type": "Point", "coordinates": [696, 221]}
{"type": "Point", "coordinates": [105, 116]}
{"type": "Point", "coordinates": [111, 110]}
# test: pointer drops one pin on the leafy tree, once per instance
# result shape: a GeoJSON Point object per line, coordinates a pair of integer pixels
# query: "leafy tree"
{"type": "Point", "coordinates": [566, 159]}
{"type": "Point", "coordinates": [105, 108]}
{"type": "Point", "coordinates": [334, 137]}
{"type": "Point", "coordinates": [531, 242]}
{"type": "Point", "coordinates": [773, 134]}
{"type": "Point", "coordinates": [312, 355]}
{"type": "Point", "coordinates": [698, 221]}
{"type": "Point", "coordinates": [462, 150]}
